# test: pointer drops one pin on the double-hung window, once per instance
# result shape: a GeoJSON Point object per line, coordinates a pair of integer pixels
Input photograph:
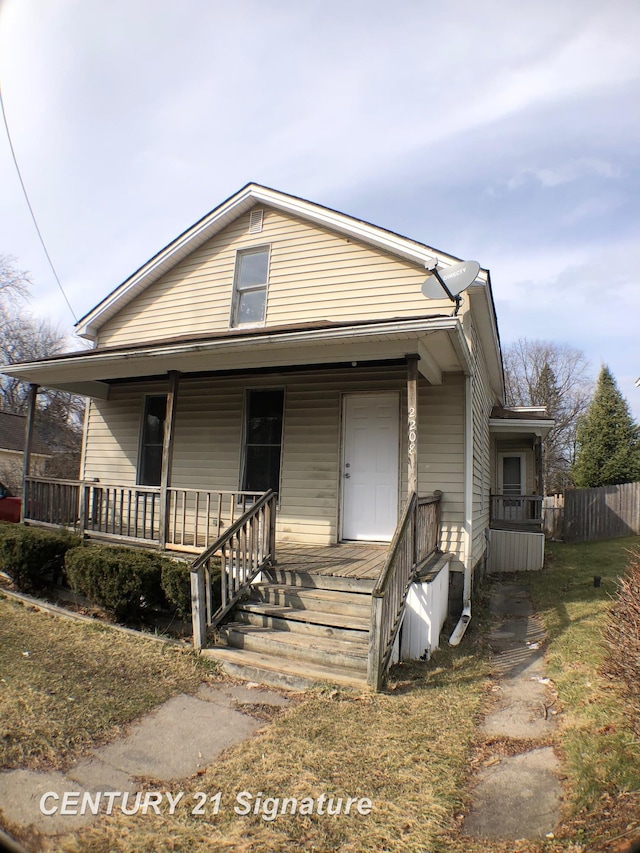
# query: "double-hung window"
{"type": "Point", "coordinates": [263, 440]}
{"type": "Point", "coordinates": [152, 440]}
{"type": "Point", "coordinates": [250, 287]}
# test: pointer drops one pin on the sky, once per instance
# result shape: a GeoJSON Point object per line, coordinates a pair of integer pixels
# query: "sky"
{"type": "Point", "coordinates": [503, 132]}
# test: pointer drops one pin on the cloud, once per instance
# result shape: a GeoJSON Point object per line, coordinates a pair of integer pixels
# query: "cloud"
{"type": "Point", "coordinates": [567, 172]}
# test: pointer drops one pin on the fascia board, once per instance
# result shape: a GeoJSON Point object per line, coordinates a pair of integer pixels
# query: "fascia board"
{"type": "Point", "coordinates": [30, 371]}
{"type": "Point", "coordinates": [537, 426]}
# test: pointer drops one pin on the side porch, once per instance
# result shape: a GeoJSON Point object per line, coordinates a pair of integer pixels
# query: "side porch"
{"type": "Point", "coordinates": [516, 538]}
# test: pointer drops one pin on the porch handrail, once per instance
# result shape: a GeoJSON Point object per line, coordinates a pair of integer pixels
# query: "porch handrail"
{"type": "Point", "coordinates": [246, 547]}
{"type": "Point", "coordinates": [521, 507]}
{"type": "Point", "coordinates": [412, 543]}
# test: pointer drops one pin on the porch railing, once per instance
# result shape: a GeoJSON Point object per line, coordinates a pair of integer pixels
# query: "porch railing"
{"type": "Point", "coordinates": [244, 549]}
{"type": "Point", "coordinates": [415, 539]}
{"type": "Point", "coordinates": [515, 510]}
{"type": "Point", "coordinates": [182, 519]}
{"type": "Point", "coordinates": [121, 512]}
{"type": "Point", "coordinates": [52, 502]}
{"type": "Point", "coordinates": [195, 518]}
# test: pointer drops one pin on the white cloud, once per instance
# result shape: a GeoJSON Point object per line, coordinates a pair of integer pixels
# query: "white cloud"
{"type": "Point", "coordinates": [567, 172]}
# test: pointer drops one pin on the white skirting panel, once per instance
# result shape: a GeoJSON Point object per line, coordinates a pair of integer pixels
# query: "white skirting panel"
{"type": "Point", "coordinates": [425, 612]}
{"type": "Point", "coordinates": [515, 551]}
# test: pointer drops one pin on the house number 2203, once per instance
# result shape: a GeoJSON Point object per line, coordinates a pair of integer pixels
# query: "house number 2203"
{"type": "Point", "coordinates": [413, 431]}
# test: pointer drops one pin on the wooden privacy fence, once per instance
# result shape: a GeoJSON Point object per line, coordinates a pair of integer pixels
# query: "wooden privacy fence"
{"type": "Point", "coordinates": [415, 539]}
{"type": "Point", "coordinates": [604, 513]}
{"type": "Point", "coordinates": [553, 516]}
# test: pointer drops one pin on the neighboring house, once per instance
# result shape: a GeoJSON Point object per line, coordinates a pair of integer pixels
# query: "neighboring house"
{"type": "Point", "coordinates": [12, 439]}
{"type": "Point", "coordinates": [280, 345]}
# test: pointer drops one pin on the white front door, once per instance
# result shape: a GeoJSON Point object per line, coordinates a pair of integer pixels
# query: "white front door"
{"type": "Point", "coordinates": [370, 466]}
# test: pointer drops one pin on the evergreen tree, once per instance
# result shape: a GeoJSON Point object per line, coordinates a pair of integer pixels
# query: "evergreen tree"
{"type": "Point", "coordinates": [608, 441]}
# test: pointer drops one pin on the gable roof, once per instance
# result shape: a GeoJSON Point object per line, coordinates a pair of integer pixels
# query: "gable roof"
{"type": "Point", "coordinates": [221, 216]}
{"type": "Point", "coordinates": [12, 428]}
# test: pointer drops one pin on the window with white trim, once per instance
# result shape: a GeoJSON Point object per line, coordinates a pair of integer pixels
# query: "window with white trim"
{"type": "Point", "coordinates": [250, 287]}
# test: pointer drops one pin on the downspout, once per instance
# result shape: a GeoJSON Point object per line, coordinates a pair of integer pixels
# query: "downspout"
{"type": "Point", "coordinates": [465, 618]}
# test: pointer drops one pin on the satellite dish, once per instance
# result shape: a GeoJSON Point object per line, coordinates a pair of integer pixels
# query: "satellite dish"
{"type": "Point", "coordinates": [452, 280]}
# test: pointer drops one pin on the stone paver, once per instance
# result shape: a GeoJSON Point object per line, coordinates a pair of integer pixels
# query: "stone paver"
{"type": "Point", "coordinates": [179, 738]}
{"type": "Point", "coordinates": [176, 740]}
{"type": "Point", "coordinates": [518, 796]}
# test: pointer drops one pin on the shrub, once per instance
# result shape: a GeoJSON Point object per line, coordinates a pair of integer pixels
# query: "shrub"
{"type": "Point", "coordinates": [176, 585]}
{"type": "Point", "coordinates": [622, 634]}
{"type": "Point", "coordinates": [32, 557]}
{"type": "Point", "coordinates": [123, 580]}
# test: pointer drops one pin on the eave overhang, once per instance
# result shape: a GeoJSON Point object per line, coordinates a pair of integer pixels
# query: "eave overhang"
{"type": "Point", "coordinates": [439, 340]}
{"type": "Point", "coordinates": [509, 427]}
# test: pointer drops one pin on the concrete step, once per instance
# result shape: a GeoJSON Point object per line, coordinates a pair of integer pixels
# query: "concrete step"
{"type": "Point", "coordinates": [280, 672]}
{"type": "Point", "coordinates": [310, 622]}
{"type": "Point", "coordinates": [322, 650]}
{"type": "Point", "coordinates": [303, 598]}
{"type": "Point", "coordinates": [313, 581]}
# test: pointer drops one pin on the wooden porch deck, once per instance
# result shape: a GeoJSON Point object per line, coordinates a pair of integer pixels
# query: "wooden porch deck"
{"type": "Point", "coordinates": [346, 560]}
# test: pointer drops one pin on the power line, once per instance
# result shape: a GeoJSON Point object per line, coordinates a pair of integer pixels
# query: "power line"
{"type": "Point", "coordinates": [33, 216]}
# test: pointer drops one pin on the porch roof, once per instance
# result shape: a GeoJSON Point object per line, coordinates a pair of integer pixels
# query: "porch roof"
{"type": "Point", "coordinates": [439, 341]}
{"type": "Point", "coordinates": [520, 420]}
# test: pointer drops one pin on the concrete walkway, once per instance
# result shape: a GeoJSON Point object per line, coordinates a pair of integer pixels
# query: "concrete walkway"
{"type": "Point", "coordinates": [175, 741]}
{"type": "Point", "coordinates": [518, 792]}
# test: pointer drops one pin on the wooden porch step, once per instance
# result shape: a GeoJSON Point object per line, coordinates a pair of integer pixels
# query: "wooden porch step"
{"type": "Point", "coordinates": [305, 625]}
{"type": "Point", "coordinates": [326, 600]}
{"type": "Point", "coordinates": [284, 644]}
{"type": "Point", "coordinates": [280, 672]}
{"type": "Point", "coordinates": [303, 621]}
{"type": "Point", "coordinates": [311, 580]}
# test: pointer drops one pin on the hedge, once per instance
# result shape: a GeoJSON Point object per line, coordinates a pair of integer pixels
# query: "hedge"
{"type": "Point", "coordinates": [34, 558]}
{"type": "Point", "coordinates": [128, 582]}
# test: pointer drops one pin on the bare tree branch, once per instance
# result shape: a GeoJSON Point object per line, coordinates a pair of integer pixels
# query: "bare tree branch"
{"type": "Point", "coordinates": [545, 373]}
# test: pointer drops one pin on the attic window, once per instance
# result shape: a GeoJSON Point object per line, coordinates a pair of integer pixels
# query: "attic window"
{"type": "Point", "coordinates": [250, 287]}
{"type": "Point", "coordinates": [256, 218]}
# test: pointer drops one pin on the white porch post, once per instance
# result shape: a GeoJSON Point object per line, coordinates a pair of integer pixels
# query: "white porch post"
{"type": "Point", "coordinates": [412, 422]}
{"type": "Point", "coordinates": [167, 454]}
{"type": "Point", "coordinates": [28, 443]}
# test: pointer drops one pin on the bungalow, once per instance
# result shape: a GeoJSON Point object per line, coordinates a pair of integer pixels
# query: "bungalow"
{"type": "Point", "coordinates": [276, 389]}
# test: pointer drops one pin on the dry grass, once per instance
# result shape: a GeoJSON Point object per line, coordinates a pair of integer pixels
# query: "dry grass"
{"type": "Point", "coordinates": [601, 753]}
{"type": "Point", "coordinates": [406, 750]}
{"type": "Point", "coordinates": [65, 687]}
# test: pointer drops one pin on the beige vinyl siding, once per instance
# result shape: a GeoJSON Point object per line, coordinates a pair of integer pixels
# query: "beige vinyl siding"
{"type": "Point", "coordinates": [113, 432]}
{"type": "Point", "coordinates": [482, 403]}
{"type": "Point", "coordinates": [208, 441]}
{"type": "Point", "coordinates": [315, 274]}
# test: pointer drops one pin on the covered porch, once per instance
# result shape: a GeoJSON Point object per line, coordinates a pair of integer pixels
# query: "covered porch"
{"type": "Point", "coordinates": [294, 521]}
{"type": "Point", "coordinates": [516, 538]}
